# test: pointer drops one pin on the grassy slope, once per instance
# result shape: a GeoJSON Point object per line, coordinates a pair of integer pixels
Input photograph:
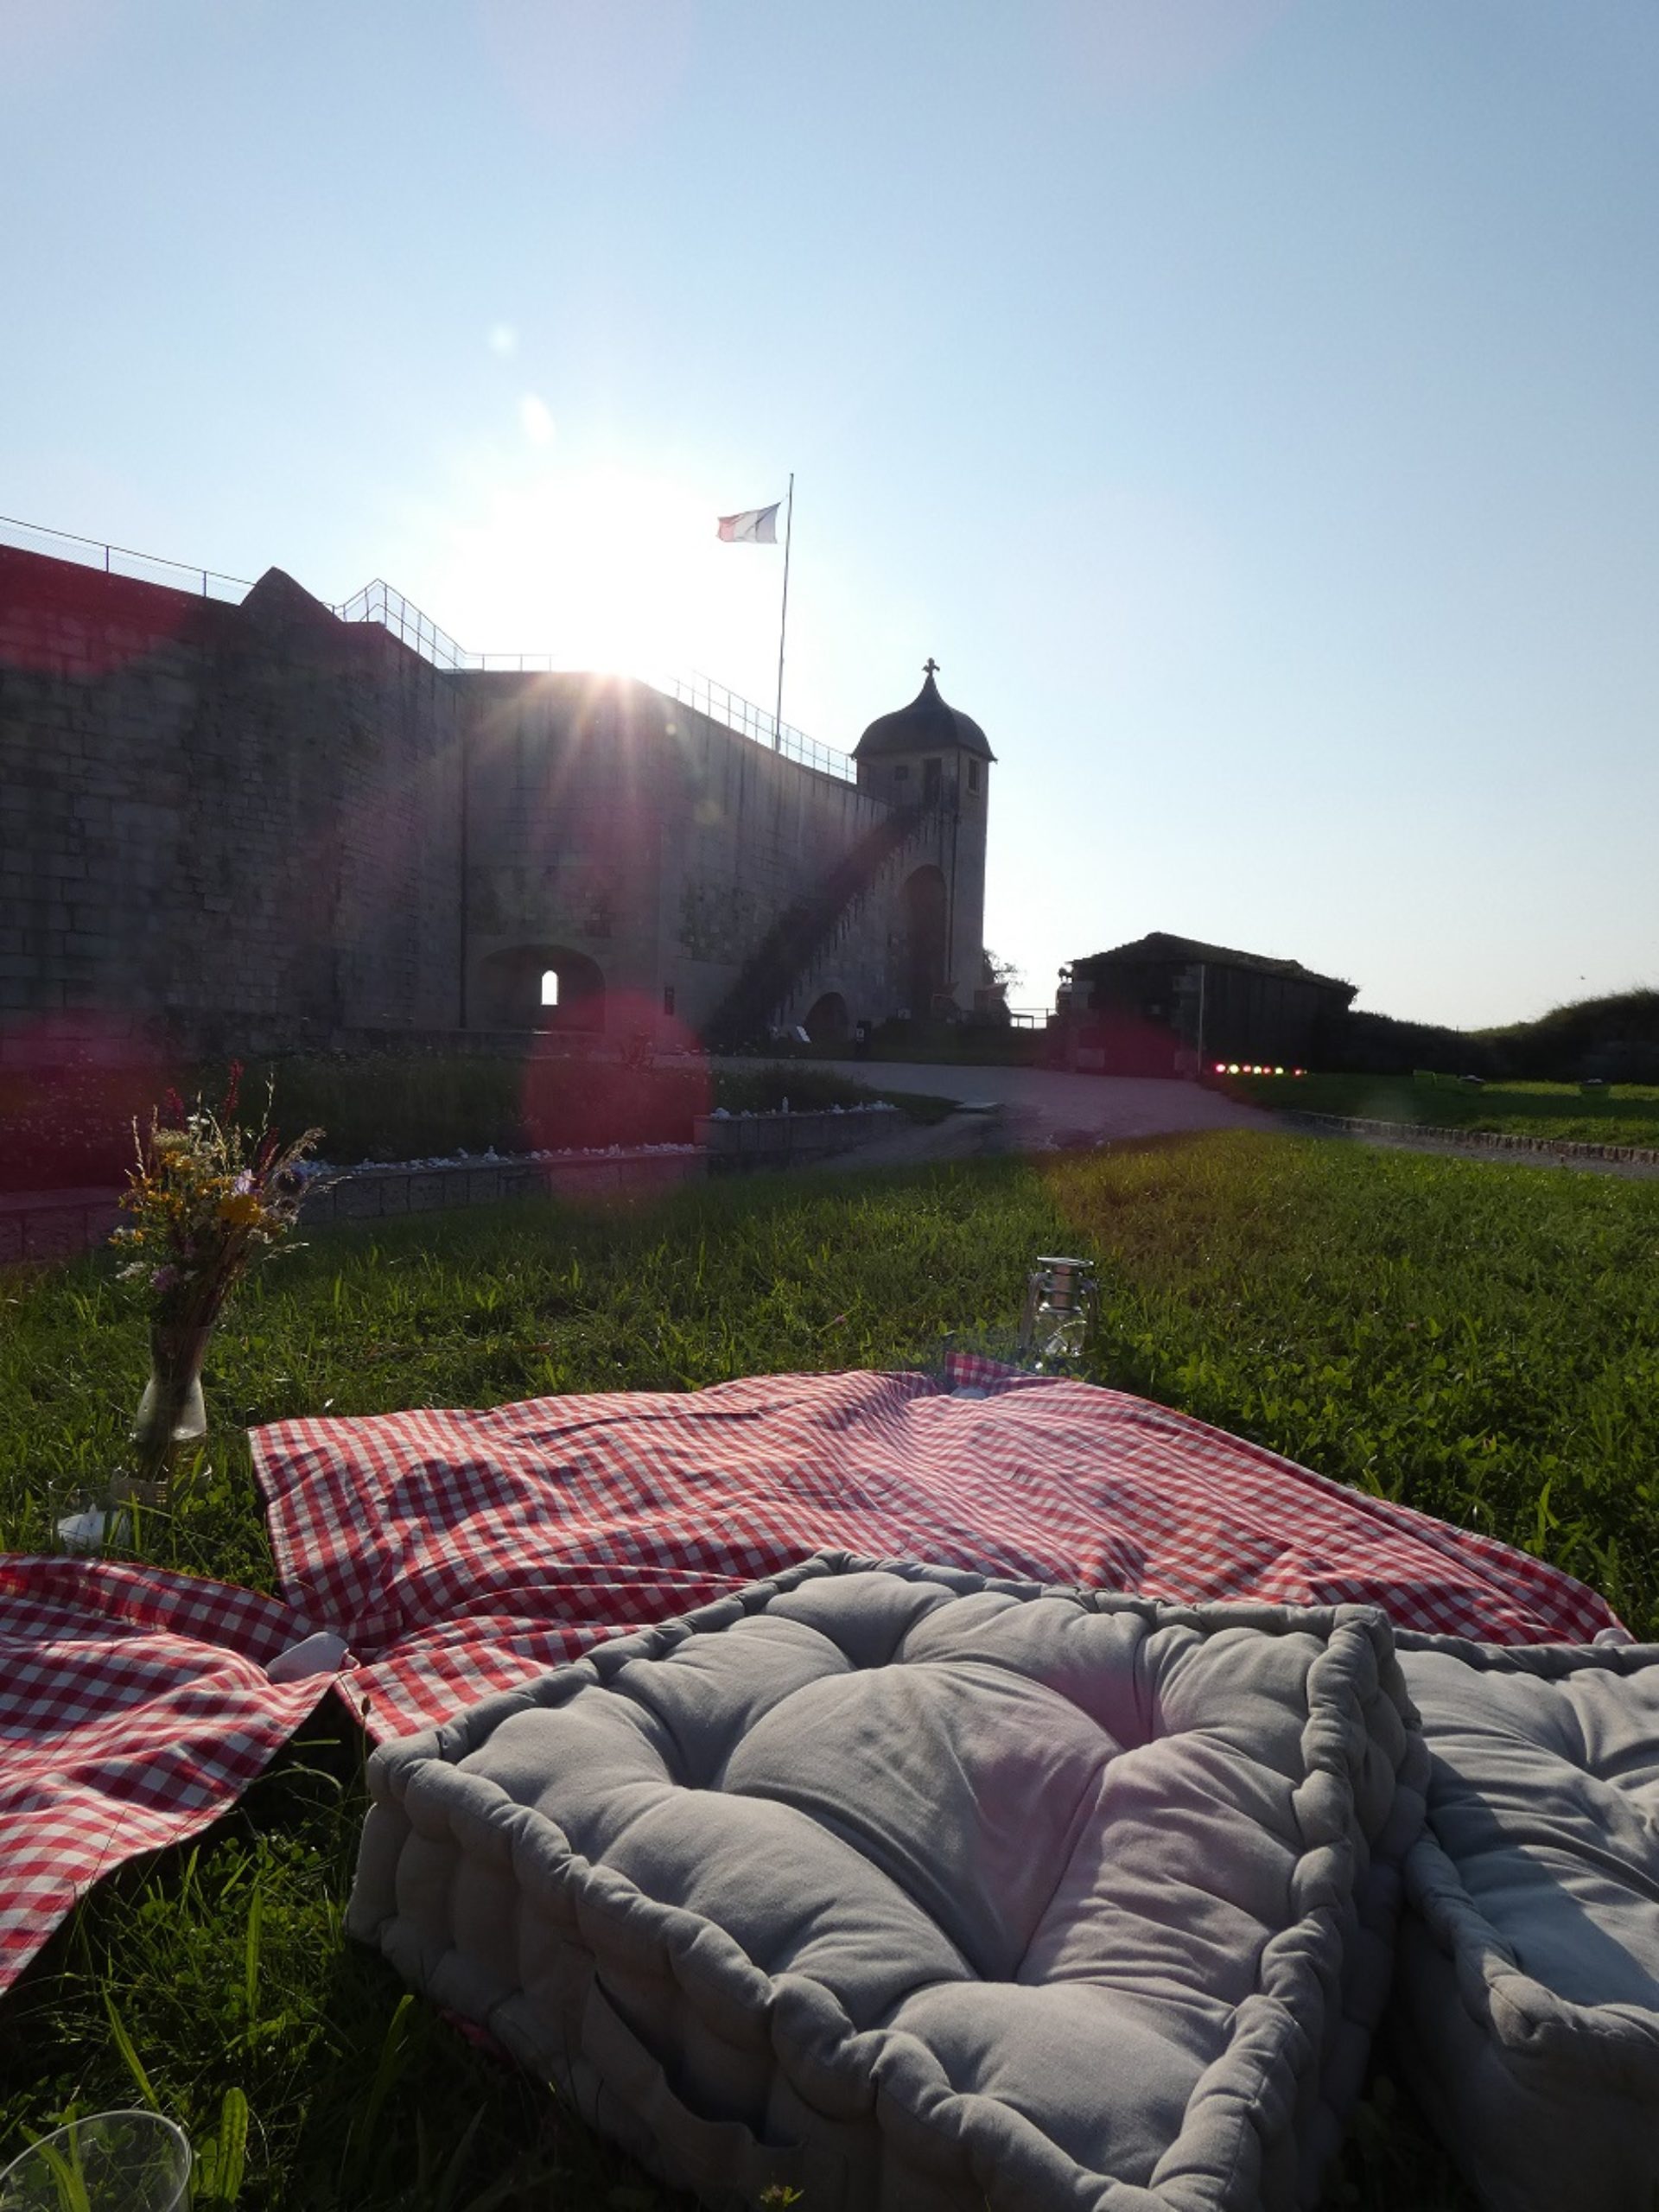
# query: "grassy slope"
{"type": "Point", "coordinates": [1480, 1341]}
{"type": "Point", "coordinates": [1625, 1113]}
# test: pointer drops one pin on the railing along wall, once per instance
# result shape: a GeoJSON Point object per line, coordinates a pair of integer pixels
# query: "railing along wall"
{"type": "Point", "coordinates": [380, 602]}
{"type": "Point", "coordinates": [121, 560]}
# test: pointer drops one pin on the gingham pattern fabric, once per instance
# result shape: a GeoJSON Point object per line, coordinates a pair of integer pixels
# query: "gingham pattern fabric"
{"type": "Point", "coordinates": [134, 1709]}
{"type": "Point", "coordinates": [463, 1553]}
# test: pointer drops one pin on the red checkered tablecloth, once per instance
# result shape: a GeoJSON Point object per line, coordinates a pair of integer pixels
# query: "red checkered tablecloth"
{"type": "Point", "coordinates": [464, 1553]}
{"type": "Point", "coordinates": [134, 1709]}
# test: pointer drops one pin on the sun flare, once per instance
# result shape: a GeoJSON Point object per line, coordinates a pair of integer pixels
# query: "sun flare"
{"type": "Point", "coordinates": [598, 566]}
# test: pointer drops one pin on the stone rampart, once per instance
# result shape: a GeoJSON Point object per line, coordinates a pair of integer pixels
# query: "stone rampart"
{"type": "Point", "coordinates": [238, 825]}
{"type": "Point", "coordinates": [250, 827]}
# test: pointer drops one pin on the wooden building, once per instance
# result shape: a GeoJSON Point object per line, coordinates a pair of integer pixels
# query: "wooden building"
{"type": "Point", "coordinates": [1169, 1005]}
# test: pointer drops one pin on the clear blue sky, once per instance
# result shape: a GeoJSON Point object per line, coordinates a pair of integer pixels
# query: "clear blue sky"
{"type": "Point", "coordinates": [1250, 403]}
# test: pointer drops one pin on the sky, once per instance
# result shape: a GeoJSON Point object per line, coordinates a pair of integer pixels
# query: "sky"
{"type": "Point", "coordinates": [1250, 404]}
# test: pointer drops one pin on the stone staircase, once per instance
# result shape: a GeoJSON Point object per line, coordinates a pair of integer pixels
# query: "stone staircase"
{"type": "Point", "coordinates": [805, 928]}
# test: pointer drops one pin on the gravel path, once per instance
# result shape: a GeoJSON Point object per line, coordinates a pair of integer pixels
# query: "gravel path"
{"type": "Point", "coordinates": [1582, 1162]}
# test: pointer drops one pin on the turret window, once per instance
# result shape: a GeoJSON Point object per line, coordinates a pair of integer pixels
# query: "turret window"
{"type": "Point", "coordinates": [973, 775]}
{"type": "Point", "coordinates": [932, 779]}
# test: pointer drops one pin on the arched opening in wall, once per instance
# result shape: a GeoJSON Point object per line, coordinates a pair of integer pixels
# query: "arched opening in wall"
{"type": "Point", "coordinates": [540, 987]}
{"type": "Point", "coordinates": [828, 1021]}
{"type": "Point", "coordinates": [924, 909]}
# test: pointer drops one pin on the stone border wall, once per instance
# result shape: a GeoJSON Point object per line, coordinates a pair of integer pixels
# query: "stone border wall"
{"type": "Point", "coordinates": [1344, 1125]}
{"type": "Point", "coordinates": [738, 1144]}
{"type": "Point", "coordinates": [49, 1226]}
{"type": "Point", "coordinates": [383, 1193]}
{"type": "Point", "coordinates": [52, 1225]}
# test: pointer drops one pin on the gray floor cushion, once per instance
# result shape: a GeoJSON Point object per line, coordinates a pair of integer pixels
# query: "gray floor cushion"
{"type": "Point", "coordinates": [917, 1891]}
{"type": "Point", "coordinates": [1527, 2011]}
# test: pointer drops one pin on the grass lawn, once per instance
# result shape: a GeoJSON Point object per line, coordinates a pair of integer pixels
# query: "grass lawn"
{"type": "Point", "coordinates": [1479, 1340]}
{"type": "Point", "coordinates": [1624, 1113]}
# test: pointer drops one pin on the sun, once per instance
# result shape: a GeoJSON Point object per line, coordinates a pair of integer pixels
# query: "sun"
{"type": "Point", "coordinates": [606, 567]}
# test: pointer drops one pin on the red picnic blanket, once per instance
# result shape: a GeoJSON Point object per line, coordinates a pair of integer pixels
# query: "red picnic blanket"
{"type": "Point", "coordinates": [463, 1553]}
{"type": "Point", "coordinates": [134, 1709]}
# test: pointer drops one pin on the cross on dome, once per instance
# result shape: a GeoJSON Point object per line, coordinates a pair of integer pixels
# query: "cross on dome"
{"type": "Point", "coordinates": [927, 724]}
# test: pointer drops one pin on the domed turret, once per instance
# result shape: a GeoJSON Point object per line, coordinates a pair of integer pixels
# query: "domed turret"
{"type": "Point", "coordinates": [932, 765]}
{"type": "Point", "coordinates": [928, 724]}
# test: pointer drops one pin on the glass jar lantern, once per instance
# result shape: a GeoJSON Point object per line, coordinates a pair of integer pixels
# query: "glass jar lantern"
{"type": "Point", "coordinates": [1059, 1310]}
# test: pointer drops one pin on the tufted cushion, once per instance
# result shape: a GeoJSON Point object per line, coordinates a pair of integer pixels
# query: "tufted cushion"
{"type": "Point", "coordinates": [1527, 2005]}
{"type": "Point", "coordinates": [919, 1890]}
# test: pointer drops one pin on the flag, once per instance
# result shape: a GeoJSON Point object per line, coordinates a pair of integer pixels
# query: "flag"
{"type": "Point", "coordinates": [755, 526]}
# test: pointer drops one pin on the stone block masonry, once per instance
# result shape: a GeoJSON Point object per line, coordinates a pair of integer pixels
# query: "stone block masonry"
{"type": "Point", "coordinates": [243, 829]}
{"type": "Point", "coordinates": [238, 824]}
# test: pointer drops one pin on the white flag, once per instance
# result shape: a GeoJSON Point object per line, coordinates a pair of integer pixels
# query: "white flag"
{"type": "Point", "coordinates": [755, 526]}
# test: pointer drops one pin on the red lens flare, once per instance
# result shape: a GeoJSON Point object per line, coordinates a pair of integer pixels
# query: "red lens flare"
{"type": "Point", "coordinates": [71, 1087]}
{"type": "Point", "coordinates": [75, 623]}
{"type": "Point", "coordinates": [641, 1079]}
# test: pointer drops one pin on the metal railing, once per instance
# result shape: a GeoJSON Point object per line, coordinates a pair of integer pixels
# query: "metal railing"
{"type": "Point", "coordinates": [705, 697]}
{"type": "Point", "coordinates": [121, 560]}
{"type": "Point", "coordinates": [381, 602]}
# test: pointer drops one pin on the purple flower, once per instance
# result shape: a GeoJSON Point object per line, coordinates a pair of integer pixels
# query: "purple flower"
{"type": "Point", "coordinates": [163, 1278]}
{"type": "Point", "coordinates": [244, 1182]}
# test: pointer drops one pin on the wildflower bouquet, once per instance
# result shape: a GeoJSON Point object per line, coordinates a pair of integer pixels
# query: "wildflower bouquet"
{"type": "Point", "coordinates": [207, 1197]}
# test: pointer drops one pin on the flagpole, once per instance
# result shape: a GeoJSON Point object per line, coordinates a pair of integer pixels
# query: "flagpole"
{"type": "Point", "coordinates": [783, 619]}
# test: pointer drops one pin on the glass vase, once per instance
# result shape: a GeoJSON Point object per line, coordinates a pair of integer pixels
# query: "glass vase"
{"type": "Point", "coordinates": [172, 1412]}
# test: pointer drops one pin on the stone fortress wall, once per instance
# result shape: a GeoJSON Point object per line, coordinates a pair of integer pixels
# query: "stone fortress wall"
{"type": "Point", "coordinates": [257, 826]}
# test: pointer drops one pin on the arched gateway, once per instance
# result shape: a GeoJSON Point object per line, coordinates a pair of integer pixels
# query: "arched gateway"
{"type": "Point", "coordinates": [541, 987]}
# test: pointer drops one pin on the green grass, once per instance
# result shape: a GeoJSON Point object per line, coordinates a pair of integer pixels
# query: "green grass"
{"type": "Point", "coordinates": [1624, 1113]}
{"type": "Point", "coordinates": [1482, 1341]}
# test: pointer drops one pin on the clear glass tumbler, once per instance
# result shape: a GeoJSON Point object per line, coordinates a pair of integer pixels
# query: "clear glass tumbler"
{"type": "Point", "coordinates": [107, 2162]}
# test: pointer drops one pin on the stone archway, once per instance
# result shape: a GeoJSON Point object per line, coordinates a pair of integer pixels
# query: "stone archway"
{"type": "Point", "coordinates": [924, 906]}
{"type": "Point", "coordinates": [828, 1021]}
{"type": "Point", "coordinates": [541, 987]}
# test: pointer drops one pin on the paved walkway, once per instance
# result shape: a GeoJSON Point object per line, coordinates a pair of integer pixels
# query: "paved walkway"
{"type": "Point", "coordinates": [1041, 1106]}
